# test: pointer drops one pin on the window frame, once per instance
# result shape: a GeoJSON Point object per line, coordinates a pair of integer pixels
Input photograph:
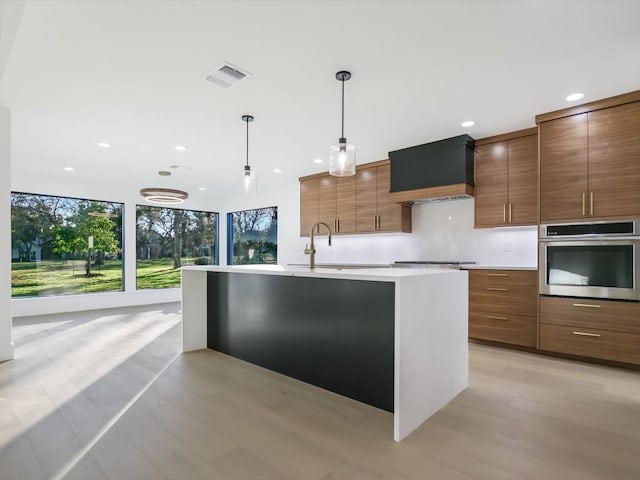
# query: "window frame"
{"type": "Point", "coordinates": [230, 231]}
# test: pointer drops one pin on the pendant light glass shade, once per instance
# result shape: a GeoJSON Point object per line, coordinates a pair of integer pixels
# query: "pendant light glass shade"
{"type": "Point", "coordinates": [342, 160]}
{"type": "Point", "coordinates": [249, 180]}
{"type": "Point", "coordinates": [342, 155]}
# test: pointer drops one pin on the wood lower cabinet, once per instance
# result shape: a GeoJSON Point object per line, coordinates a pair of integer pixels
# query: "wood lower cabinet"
{"type": "Point", "coordinates": [506, 180]}
{"type": "Point", "coordinates": [589, 166]}
{"type": "Point", "coordinates": [503, 306]}
{"type": "Point", "coordinates": [593, 343]}
{"type": "Point", "coordinates": [603, 329]}
{"type": "Point", "coordinates": [356, 204]}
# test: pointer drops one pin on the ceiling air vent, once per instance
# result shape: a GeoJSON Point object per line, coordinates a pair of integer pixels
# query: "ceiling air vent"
{"type": "Point", "coordinates": [226, 75]}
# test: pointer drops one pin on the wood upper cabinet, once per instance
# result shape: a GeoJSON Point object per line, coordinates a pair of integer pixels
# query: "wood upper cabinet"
{"type": "Point", "coordinates": [309, 211]}
{"type": "Point", "coordinates": [392, 216]}
{"type": "Point", "coordinates": [506, 183]}
{"type": "Point", "coordinates": [366, 203]}
{"type": "Point", "coordinates": [523, 180]}
{"type": "Point", "coordinates": [356, 204]}
{"type": "Point", "coordinates": [346, 205]}
{"type": "Point", "coordinates": [614, 161]}
{"type": "Point", "coordinates": [563, 168]}
{"type": "Point", "coordinates": [375, 211]}
{"type": "Point", "coordinates": [590, 163]}
{"type": "Point", "coordinates": [491, 185]}
{"type": "Point", "coordinates": [328, 201]}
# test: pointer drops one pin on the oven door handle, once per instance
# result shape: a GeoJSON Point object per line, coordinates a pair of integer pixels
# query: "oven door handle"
{"type": "Point", "coordinates": [589, 240]}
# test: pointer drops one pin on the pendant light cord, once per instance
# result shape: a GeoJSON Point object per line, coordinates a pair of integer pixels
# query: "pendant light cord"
{"type": "Point", "coordinates": [342, 133]}
{"type": "Point", "coordinates": [247, 141]}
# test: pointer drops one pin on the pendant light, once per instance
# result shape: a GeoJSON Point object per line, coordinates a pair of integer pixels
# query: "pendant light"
{"type": "Point", "coordinates": [163, 196]}
{"type": "Point", "coordinates": [342, 156]}
{"type": "Point", "coordinates": [249, 181]}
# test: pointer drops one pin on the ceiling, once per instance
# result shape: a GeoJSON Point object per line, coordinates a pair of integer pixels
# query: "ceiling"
{"type": "Point", "coordinates": [132, 74]}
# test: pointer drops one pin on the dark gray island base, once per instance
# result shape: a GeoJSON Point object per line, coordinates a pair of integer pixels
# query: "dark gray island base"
{"type": "Point", "coordinates": [333, 333]}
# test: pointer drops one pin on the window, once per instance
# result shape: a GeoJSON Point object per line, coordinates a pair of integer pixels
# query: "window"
{"type": "Point", "coordinates": [168, 238]}
{"type": "Point", "coordinates": [64, 246]}
{"type": "Point", "coordinates": [252, 236]}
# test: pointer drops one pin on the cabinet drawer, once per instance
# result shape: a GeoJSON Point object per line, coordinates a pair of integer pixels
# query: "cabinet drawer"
{"type": "Point", "coordinates": [498, 327]}
{"type": "Point", "coordinates": [600, 314]}
{"type": "Point", "coordinates": [518, 299]}
{"type": "Point", "coordinates": [591, 342]}
{"type": "Point", "coordinates": [487, 278]}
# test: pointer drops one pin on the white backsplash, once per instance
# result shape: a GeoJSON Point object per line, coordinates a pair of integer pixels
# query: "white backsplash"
{"type": "Point", "coordinates": [441, 231]}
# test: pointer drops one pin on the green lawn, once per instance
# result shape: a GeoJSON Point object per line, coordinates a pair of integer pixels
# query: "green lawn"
{"type": "Point", "coordinates": [37, 279]}
{"type": "Point", "coordinates": [58, 277]}
{"type": "Point", "coordinates": [158, 273]}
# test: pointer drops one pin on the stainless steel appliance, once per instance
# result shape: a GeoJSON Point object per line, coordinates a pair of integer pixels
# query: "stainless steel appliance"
{"type": "Point", "coordinates": [598, 260]}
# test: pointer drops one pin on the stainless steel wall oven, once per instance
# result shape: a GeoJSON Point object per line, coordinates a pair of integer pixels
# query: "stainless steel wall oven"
{"type": "Point", "coordinates": [598, 260]}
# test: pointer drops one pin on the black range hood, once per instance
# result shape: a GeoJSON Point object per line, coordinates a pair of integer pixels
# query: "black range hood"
{"type": "Point", "coordinates": [435, 171]}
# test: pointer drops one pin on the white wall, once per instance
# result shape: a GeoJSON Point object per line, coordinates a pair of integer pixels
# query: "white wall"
{"type": "Point", "coordinates": [6, 345]}
{"type": "Point", "coordinates": [10, 16]}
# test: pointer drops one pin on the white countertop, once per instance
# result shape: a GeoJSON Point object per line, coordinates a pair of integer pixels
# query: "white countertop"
{"type": "Point", "coordinates": [371, 274]}
{"type": "Point", "coordinates": [498, 267]}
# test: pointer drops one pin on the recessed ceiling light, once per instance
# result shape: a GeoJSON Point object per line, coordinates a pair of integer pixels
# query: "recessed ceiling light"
{"type": "Point", "coordinates": [318, 160]}
{"type": "Point", "coordinates": [277, 170]}
{"type": "Point", "coordinates": [202, 189]}
{"type": "Point", "coordinates": [104, 145]}
{"type": "Point", "coordinates": [69, 169]}
{"type": "Point", "coordinates": [180, 148]}
{"type": "Point", "coordinates": [468, 123]}
{"type": "Point", "coordinates": [574, 96]}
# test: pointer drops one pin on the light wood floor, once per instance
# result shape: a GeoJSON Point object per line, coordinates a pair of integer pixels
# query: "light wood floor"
{"type": "Point", "coordinates": [106, 395]}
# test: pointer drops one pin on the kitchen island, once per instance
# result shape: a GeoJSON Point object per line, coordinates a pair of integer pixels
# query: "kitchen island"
{"type": "Point", "coordinates": [392, 338]}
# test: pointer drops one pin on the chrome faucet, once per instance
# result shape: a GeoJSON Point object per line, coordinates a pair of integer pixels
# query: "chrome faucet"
{"type": "Point", "coordinates": [311, 249]}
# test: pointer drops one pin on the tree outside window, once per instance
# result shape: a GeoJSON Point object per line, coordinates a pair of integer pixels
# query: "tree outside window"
{"type": "Point", "coordinates": [63, 245]}
{"type": "Point", "coordinates": [167, 239]}
{"type": "Point", "coordinates": [253, 236]}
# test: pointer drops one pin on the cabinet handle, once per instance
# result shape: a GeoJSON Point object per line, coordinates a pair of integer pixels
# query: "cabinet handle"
{"type": "Point", "coordinates": [338, 223]}
{"type": "Point", "coordinates": [378, 222]}
{"type": "Point", "coordinates": [586, 334]}
{"type": "Point", "coordinates": [504, 213]}
{"type": "Point", "coordinates": [584, 203]}
{"type": "Point", "coordinates": [335, 225]}
{"type": "Point", "coordinates": [586, 305]}
{"type": "Point", "coordinates": [509, 212]}
{"type": "Point", "coordinates": [493, 289]}
{"type": "Point", "coordinates": [375, 222]}
{"type": "Point", "coordinates": [497, 274]}
{"type": "Point", "coordinates": [495, 317]}
{"type": "Point", "coordinates": [591, 203]}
